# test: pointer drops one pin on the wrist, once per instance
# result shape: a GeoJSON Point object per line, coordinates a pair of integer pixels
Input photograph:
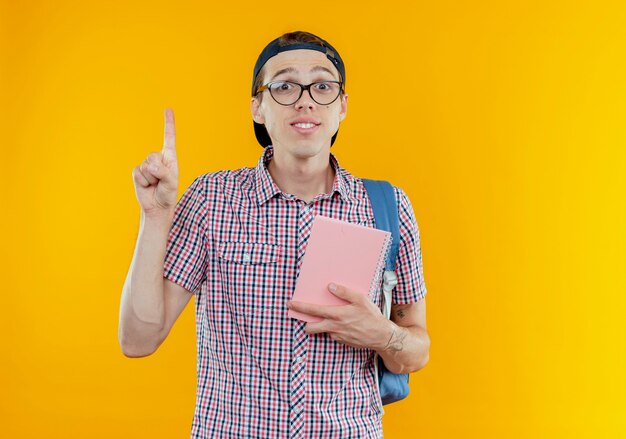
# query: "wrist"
{"type": "Point", "coordinates": [157, 215]}
{"type": "Point", "coordinates": [154, 221]}
{"type": "Point", "coordinates": [386, 335]}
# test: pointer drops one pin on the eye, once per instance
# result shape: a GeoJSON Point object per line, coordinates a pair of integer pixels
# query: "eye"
{"type": "Point", "coordinates": [326, 87]}
{"type": "Point", "coordinates": [282, 86]}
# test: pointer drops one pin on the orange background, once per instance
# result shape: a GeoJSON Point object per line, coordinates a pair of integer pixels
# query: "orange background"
{"type": "Point", "coordinates": [503, 121]}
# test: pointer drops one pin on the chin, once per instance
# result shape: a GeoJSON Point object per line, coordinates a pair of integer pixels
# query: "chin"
{"type": "Point", "coordinates": [305, 147]}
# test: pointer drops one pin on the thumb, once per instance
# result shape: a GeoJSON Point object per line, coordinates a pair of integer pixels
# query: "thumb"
{"type": "Point", "coordinates": [164, 175]}
{"type": "Point", "coordinates": [343, 292]}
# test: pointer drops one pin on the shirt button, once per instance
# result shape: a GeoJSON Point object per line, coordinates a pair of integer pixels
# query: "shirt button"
{"type": "Point", "coordinates": [298, 359]}
{"type": "Point", "coordinates": [246, 257]}
{"type": "Point", "coordinates": [297, 410]}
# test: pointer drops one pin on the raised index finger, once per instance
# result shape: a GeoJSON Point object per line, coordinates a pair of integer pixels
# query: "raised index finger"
{"type": "Point", "coordinates": [169, 137]}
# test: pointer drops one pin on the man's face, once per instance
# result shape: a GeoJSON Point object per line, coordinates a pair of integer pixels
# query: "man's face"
{"type": "Point", "coordinates": [302, 66]}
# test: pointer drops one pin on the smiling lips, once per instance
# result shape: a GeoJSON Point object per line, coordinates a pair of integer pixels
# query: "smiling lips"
{"type": "Point", "coordinates": [305, 126]}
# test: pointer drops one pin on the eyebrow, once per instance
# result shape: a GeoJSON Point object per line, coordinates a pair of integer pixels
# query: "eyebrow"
{"type": "Point", "coordinates": [293, 70]}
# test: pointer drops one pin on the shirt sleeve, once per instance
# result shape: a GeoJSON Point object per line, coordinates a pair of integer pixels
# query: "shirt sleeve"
{"type": "Point", "coordinates": [186, 252]}
{"type": "Point", "coordinates": [410, 273]}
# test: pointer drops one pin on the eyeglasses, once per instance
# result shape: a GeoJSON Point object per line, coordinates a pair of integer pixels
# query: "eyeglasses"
{"type": "Point", "coordinates": [288, 93]}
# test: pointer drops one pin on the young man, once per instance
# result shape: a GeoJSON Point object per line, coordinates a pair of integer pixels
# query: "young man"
{"type": "Point", "coordinates": [236, 240]}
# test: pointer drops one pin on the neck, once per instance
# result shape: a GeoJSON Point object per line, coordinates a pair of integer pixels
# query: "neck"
{"type": "Point", "coordinates": [304, 178]}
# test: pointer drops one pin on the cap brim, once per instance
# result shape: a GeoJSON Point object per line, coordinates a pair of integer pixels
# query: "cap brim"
{"type": "Point", "coordinates": [261, 134]}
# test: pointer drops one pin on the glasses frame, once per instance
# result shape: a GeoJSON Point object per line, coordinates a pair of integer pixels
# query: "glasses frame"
{"type": "Point", "coordinates": [302, 88]}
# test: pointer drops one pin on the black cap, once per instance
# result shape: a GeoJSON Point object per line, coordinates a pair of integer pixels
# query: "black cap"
{"type": "Point", "coordinates": [273, 49]}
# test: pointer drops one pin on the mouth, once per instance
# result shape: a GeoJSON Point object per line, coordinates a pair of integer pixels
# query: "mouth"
{"type": "Point", "coordinates": [305, 127]}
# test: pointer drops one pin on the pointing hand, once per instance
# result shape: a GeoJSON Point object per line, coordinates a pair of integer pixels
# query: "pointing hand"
{"type": "Point", "coordinates": [156, 179]}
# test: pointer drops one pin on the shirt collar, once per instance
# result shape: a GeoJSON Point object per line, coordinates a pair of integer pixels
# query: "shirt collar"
{"type": "Point", "coordinates": [266, 188]}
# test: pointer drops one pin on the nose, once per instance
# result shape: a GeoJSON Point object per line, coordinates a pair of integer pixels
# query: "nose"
{"type": "Point", "coordinates": [305, 100]}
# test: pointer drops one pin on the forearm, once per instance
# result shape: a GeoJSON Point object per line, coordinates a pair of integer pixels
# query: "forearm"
{"type": "Point", "coordinates": [142, 310]}
{"type": "Point", "coordinates": [406, 349]}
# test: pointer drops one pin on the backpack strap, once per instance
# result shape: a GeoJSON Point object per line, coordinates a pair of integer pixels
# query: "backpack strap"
{"type": "Point", "coordinates": [392, 387]}
{"type": "Point", "coordinates": [383, 199]}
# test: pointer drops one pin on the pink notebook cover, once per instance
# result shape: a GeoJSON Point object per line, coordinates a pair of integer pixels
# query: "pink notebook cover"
{"type": "Point", "coordinates": [340, 252]}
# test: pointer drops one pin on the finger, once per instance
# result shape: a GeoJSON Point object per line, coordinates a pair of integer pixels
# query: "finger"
{"type": "Point", "coordinates": [139, 178]}
{"type": "Point", "coordinates": [312, 309]}
{"type": "Point", "coordinates": [155, 158]}
{"type": "Point", "coordinates": [147, 173]}
{"type": "Point", "coordinates": [345, 293]}
{"type": "Point", "coordinates": [163, 175]}
{"type": "Point", "coordinates": [169, 137]}
{"type": "Point", "coordinates": [317, 327]}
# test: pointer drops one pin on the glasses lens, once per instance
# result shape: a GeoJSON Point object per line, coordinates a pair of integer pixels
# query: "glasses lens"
{"type": "Point", "coordinates": [284, 92]}
{"type": "Point", "coordinates": [325, 92]}
{"type": "Point", "coordinates": [287, 93]}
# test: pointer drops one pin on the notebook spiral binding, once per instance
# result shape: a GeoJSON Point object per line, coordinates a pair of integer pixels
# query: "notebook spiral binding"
{"type": "Point", "coordinates": [380, 265]}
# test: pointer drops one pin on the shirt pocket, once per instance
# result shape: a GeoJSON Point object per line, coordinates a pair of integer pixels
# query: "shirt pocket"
{"type": "Point", "coordinates": [249, 273]}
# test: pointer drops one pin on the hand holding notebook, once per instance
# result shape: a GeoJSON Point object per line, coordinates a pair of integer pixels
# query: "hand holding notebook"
{"type": "Point", "coordinates": [344, 253]}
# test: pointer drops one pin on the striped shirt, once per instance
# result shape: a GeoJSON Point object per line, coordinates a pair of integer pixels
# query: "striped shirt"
{"type": "Point", "coordinates": [236, 242]}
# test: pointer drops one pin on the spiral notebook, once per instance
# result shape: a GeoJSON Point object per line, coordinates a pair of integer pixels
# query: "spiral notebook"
{"type": "Point", "coordinates": [341, 252]}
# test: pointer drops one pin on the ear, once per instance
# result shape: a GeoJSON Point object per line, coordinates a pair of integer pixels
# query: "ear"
{"type": "Point", "coordinates": [344, 107]}
{"type": "Point", "coordinates": [257, 114]}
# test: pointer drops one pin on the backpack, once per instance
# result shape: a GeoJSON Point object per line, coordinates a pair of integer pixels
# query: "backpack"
{"type": "Point", "coordinates": [393, 387]}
